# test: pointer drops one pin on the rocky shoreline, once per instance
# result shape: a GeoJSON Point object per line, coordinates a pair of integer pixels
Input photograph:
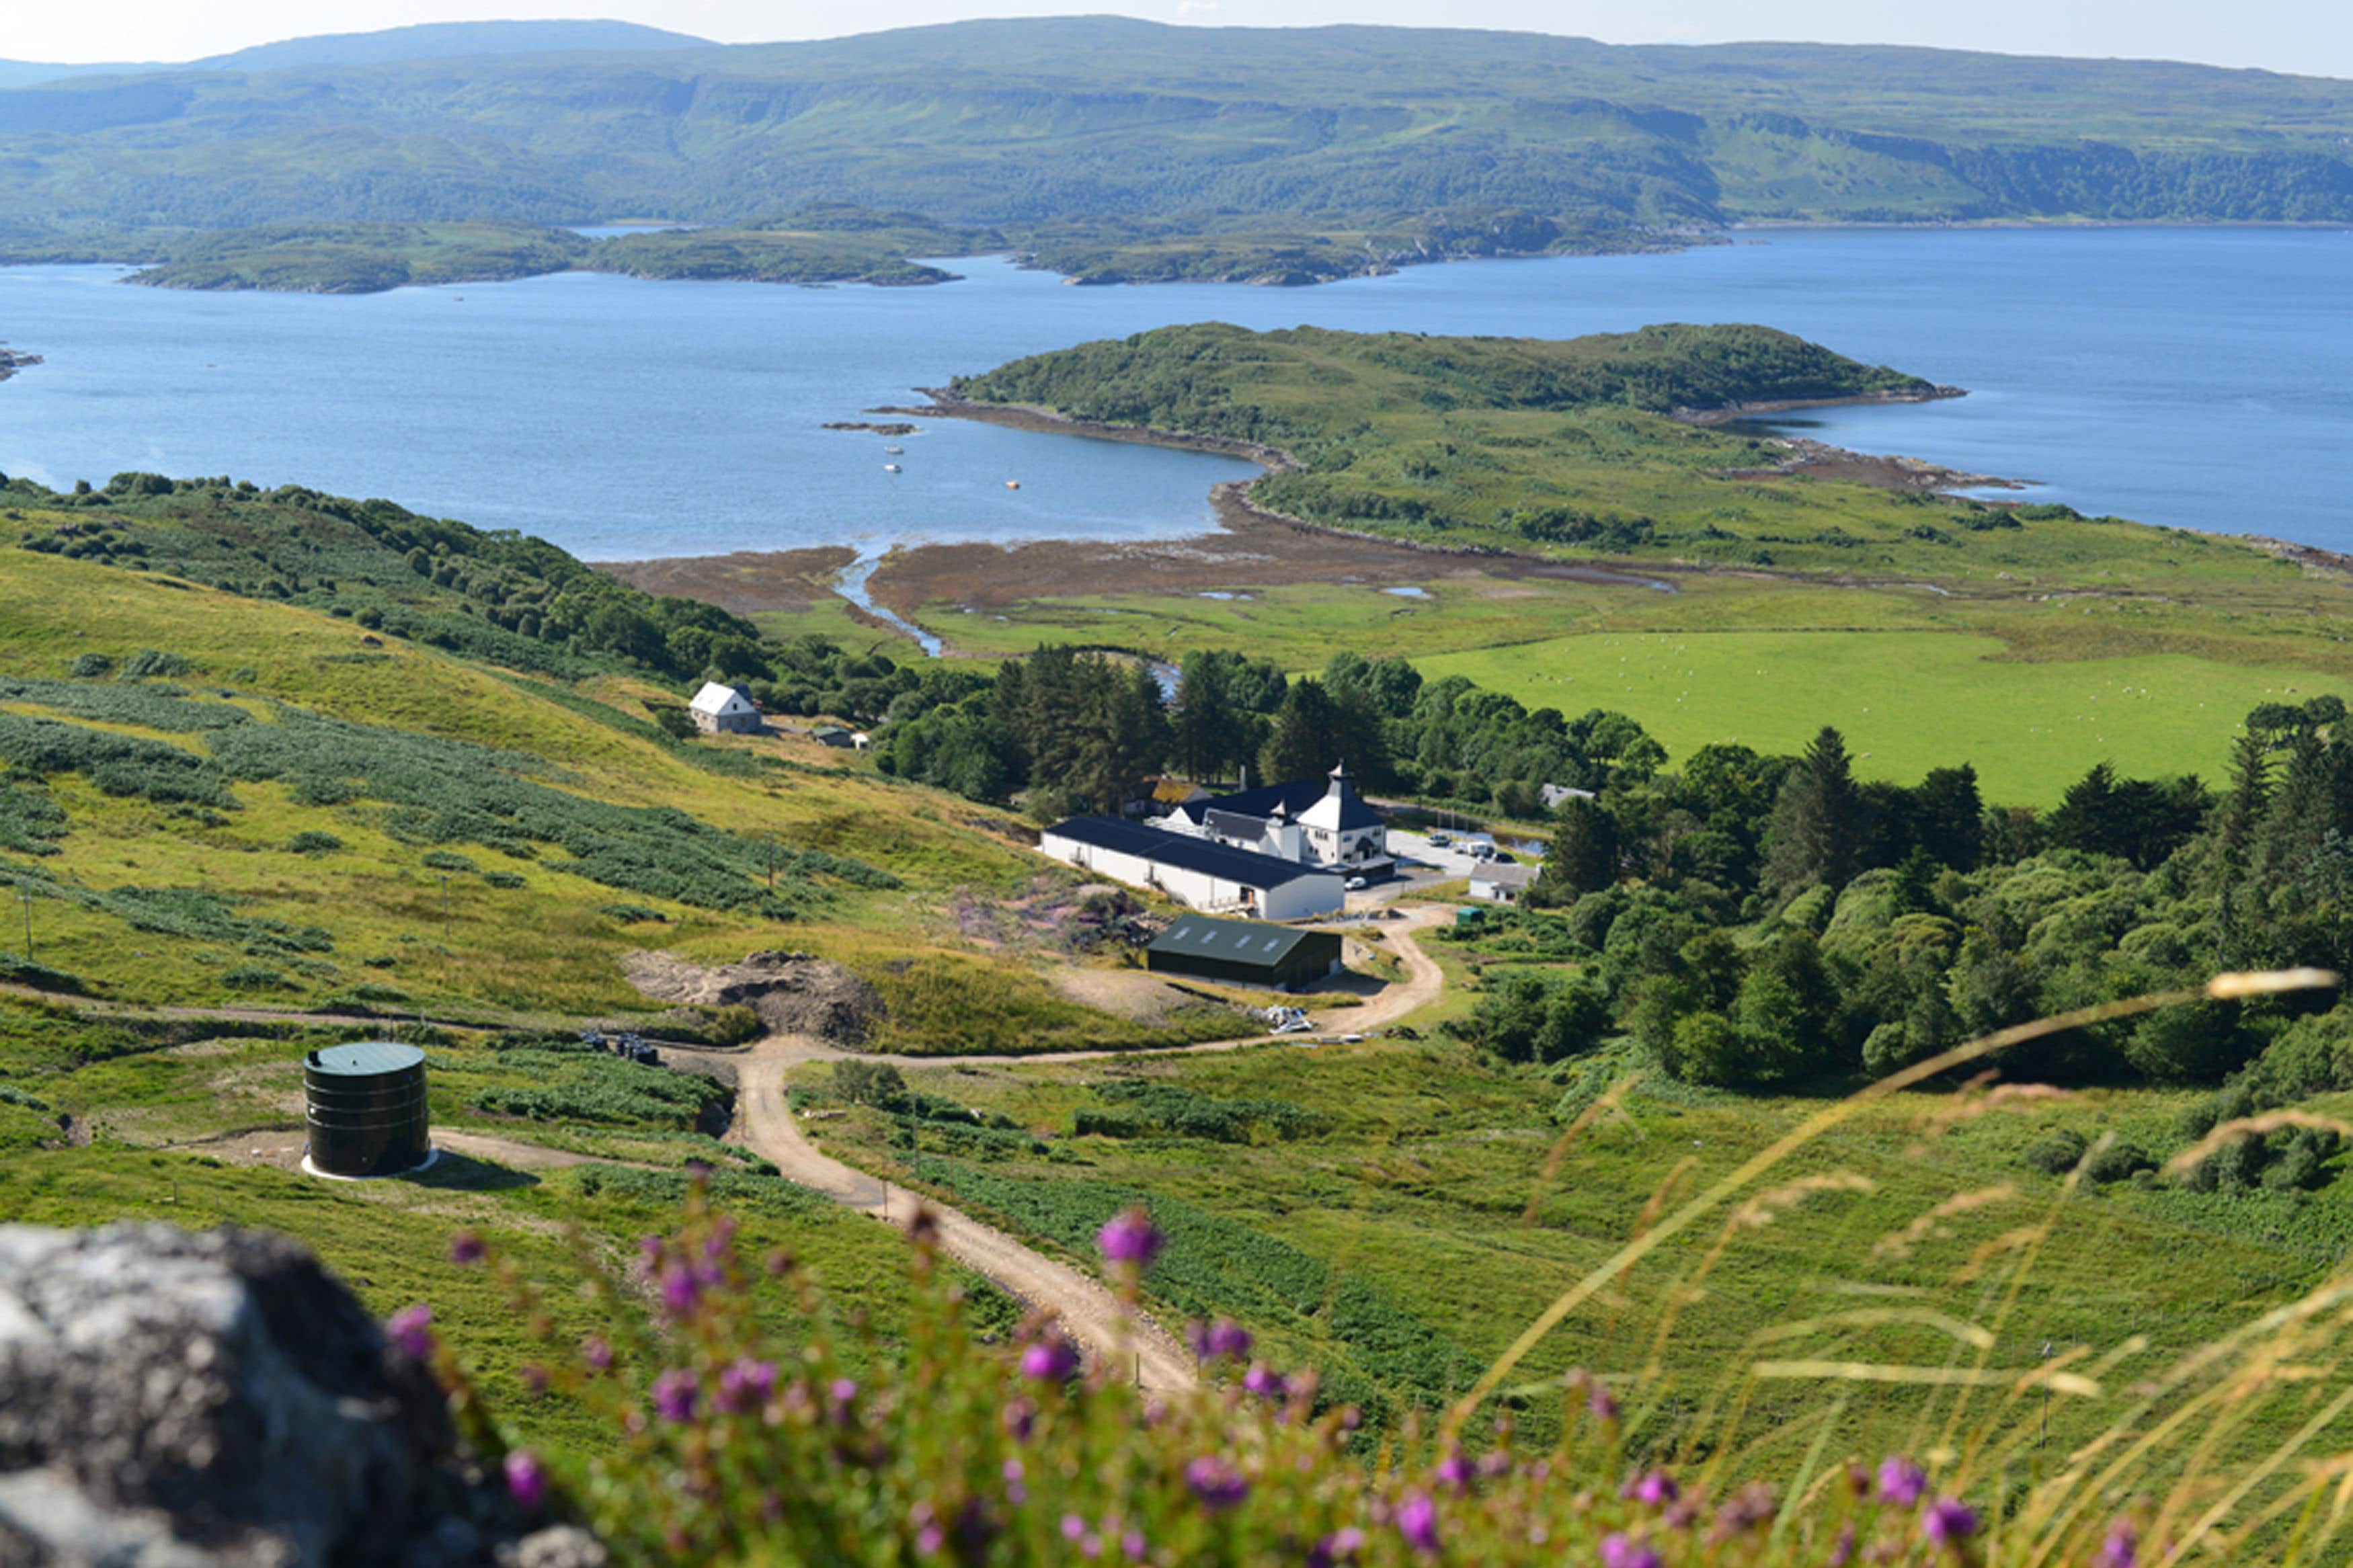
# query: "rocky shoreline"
{"type": "Point", "coordinates": [1727, 413]}
{"type": "Point", "coordinates": [1810, 458]}
{"type": "Point", "coordinates": [946, 404]}
{"type": "Point", "coordinates": [11, 362]}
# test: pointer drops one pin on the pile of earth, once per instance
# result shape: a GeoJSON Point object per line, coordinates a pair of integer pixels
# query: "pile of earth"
{"type": "Point", "coordinates": [793, 993]}
{"type": "Point", "coordinates": [1056, 914]}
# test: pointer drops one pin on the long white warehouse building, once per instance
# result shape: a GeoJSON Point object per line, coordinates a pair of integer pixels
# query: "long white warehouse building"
{"type": "Point", "coordinates": [1205, 876]}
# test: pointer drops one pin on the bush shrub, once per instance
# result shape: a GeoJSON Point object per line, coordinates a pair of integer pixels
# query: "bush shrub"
{"type": "Point", "coordinates": [311, 841]}
{"type": "Point", "coordinates": [150, 664]}
{"type": "Point", "coordinates": [2056, 1153]}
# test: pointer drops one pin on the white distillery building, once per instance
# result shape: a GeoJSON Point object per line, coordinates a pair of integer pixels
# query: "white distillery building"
{"type": "Point", "coordinates": [1202, 874]}
{"type": "Point", "coordinates": [727, 709]}
{"type": "Point", "coordinates": [1313, 821]}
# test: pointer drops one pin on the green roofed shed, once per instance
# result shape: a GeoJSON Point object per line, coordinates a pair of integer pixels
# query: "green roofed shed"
{"type": "Point", "coordinates": [1244, 953]}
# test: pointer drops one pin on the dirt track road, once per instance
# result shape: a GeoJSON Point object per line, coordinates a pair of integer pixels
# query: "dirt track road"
{"type": "Point", "coordinates": [767, 1125]}
{"type": "Point", "coordinates": [1084, 1306]}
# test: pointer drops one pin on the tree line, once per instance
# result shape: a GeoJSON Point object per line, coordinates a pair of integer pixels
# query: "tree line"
{"type": "Point", "coordinates": [1070, 730]}
{"type": "Point", "coordinates": [1752, 920]}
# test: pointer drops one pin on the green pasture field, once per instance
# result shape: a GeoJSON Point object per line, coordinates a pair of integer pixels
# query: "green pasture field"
{"type": "Point", "coordinates": [1411, 1234]}
{"type": "Point", "coordinates": [169, 1112]}
{"type": "Point", "coordinates": [1906, 701]}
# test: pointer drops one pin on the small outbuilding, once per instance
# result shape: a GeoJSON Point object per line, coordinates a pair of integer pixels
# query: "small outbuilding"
{"type": "Point", "coordinates": [1492, 883]}
{"type": "Point", "coordinates": [1245, 953]}
{"type": "Point", "coordinates": [364, 1108]}
{"type": "Point", "coordinates": [724, 710]}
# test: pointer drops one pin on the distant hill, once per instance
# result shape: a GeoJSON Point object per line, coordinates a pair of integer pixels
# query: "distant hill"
{"type": "Point", "coordinates": [447, 40]}
{"type": "Point", "coordinates": [1121, 148]}
{"type": "Point", "coordinates": [424, 41]}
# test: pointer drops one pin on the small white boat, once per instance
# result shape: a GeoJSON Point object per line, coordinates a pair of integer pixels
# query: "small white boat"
{"type": "Point", "coordinates": [1013, 484]}
{"type": "Point", "coordinates": [894, 451]}
{"type": "Point", "coordinates": [890, 467]}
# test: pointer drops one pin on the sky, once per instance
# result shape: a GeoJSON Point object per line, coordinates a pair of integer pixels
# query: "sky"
{"type": "Point", "coordinates": [2306, 36]}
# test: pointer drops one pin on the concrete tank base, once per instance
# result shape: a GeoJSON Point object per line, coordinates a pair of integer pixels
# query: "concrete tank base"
{"type": "Point", "coordinates": [310, 1168]}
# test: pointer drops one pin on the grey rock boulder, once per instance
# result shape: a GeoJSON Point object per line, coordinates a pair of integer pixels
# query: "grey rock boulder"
{"type": "Point", "coordinates": [172, 1400]}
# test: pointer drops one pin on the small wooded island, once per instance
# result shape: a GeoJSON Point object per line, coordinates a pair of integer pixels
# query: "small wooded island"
{"type": "Point", "coordinates": [1606, 444]}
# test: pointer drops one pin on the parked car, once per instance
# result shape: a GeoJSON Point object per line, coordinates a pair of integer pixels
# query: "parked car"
{"type": "Point", "coordinates": [1441, 840]}
{"type": "Point", "coordinates": [1355, 884]}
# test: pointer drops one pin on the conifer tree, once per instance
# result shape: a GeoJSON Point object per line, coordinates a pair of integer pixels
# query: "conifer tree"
{"type": "Point", "coordinates": [1817, 820]}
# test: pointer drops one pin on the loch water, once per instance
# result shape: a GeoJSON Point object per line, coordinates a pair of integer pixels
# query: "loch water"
{"type": "Point", "coordinates": [2199, 377]}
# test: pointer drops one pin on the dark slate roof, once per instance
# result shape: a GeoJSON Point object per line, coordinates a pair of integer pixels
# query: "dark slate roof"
{"type": "Point", "coordinates": [1246, 867]}
{"type": "Point", "coordinates": [1237, 941]}
{"type": "Point", "coordinates": [1234, 823]}
{"type": "Point", "coordinates": [1294, 798]}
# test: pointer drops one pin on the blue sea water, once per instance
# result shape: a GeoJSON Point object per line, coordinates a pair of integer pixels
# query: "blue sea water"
{"type": "Point", "coordinates": [2197, 377]}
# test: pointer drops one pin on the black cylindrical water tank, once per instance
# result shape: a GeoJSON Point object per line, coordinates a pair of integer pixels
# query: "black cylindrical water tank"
{"type": "Point", "coordinates": [366, 1107]}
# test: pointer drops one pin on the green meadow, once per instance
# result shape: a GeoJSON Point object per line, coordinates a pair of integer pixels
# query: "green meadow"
{"type": "Point", "coordinates": [1906, 701]}
{"type": "Point", "coordinates": [1398, 1213]}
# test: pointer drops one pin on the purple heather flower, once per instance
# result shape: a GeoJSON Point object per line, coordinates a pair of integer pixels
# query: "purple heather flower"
{"type": "Point", "coordinates": [674, 1396]}
{"type": "Point", "coordinates": [1753, 1505]}
{"type": "Point", "coordinates": [1417, 1521]}
{"type": "Point", "coordinates": [2122, 1548]}
{"type": "Point", "coordinates": [1264, 1381]}
{"type": "Point", "coordinates": [1901, 1483]}
{"type": "Point", "coordinates": [1073, 1527]}
{"type": "Point", "coordinates": [679, 1290]}
{"type": "Point", "coordinates": [1341, 1546]}
{"type": "Point", "coordinates": [465, 1247]}
{"type": "Point", "coordinates": [1016, 1486]}
{"type": "Point", "coordinates": [526, 1479]}
{"type": "Point", "coordinates": [1599, 1400]}
{"type": "Point", "coordinates": [650, 1245]}
{"type": "Point", "coordinates": [929, 1536]}
{"type": "Point", "coordinates": [1453, 1471]}
{"type": "Point", "coordinates": [1215, 1483]}
{"type": "Point", "coordinates": [1617, 1552]}
{"type": "Point", "coordinates": [746, 1385]}
{"type": "Point", "coordinates": [1051, 1360]}
{"type": "Point", "coordinates": [1130, 1238]}
{"type": "Point", "coordinates": [533, 1376]}
{"type": "Point", "coordinates": [1132, 1543]}
{"type": "Point", "coordinates": [1950, 1522]}
{"type": "Point", "coordinates": [1019, 1416]}
{"type": "Point", "coordinates": [1657, 1489]}
{"type": "Point", "coordinates": [411, 1330]}
{"type": "Point", "coordinates": [1495, 1464]}
{"type": "Point", "coordinates": [722, 1232]}
{"type": "Point", "coordinates": [597, 1352]}
{"type": "Point", "coordinates": [1842, 1550]}
{"type": "Point", "coordinates": [1228, 1337]}
{"type": "Point", "coordinates": [841, 1390]}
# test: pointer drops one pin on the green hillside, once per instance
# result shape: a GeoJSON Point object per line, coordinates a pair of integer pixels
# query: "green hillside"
{"type": "Point", "coordinates": [1113, 147]}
